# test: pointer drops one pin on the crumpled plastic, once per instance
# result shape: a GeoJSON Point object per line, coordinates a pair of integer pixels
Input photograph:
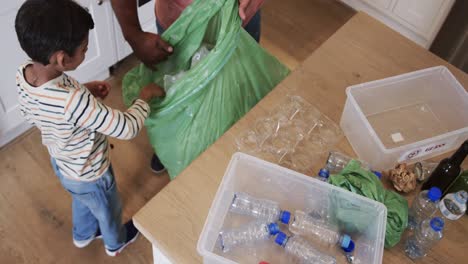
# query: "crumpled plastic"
{"type": "Point", "coordinates": [212, 94]}
{"type": "Point", "coordinates": [363, 182]}
{"type": "Point", "coordinates": [199, 55]}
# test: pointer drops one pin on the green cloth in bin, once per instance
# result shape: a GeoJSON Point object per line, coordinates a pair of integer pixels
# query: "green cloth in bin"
{"type": "Point", "coordinates": [358, 180]}
{"type": "Point", "coordinates": [213, 94]}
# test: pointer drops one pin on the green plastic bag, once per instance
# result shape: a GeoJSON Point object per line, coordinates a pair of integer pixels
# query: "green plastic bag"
{"type": "Point", "coordinates": [212, 95]}
{"type": "Point", "coordinates": [363, 182]}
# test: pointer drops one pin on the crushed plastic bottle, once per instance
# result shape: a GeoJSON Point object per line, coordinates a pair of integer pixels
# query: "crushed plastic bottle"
{"type": "Point", "coordinates": [307, 226]}
{"type": "Point", "coordinates": [263, 209]}
{"type": "Point", "coordinates": [424, 206]}
{"type": "Point", "coordinates": [169, 80]}
{"type": "Point", "coordinates": [200, 54]}
{"type": "Point", "coordinates": [303, 250]}
{"type": "Point", "coordinates": [453, 206]}
{"type": "Point", "coordinates": [247, 234]}
{"type": "Point", "coordinates": [426, 235]}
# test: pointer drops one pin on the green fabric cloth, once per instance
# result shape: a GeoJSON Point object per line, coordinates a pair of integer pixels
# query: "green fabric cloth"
{"type": "Point", "coordinates": [358, 180]}
{"type": "Point", "coordinates": [212, 95]}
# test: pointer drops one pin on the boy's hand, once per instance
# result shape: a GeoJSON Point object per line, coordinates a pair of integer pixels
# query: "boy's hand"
{"type": "Point", "coordinates": [98, 89]}
{"type": "Point", "coordinates": [150, 91]}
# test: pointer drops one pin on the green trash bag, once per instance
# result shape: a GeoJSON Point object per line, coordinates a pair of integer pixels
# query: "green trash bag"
{"type": "Point", "coordinates": [363, 182]}
{"type": "Point", "coordinates": [212, 95]}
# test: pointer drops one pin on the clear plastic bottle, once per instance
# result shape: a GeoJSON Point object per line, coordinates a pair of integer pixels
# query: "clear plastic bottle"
{"type": "Point", "coordinates": [426, 235]}
{"type": "Point", "coordinates": [308, 226]}
{"type": "Point", "coordinates": [200, 54]}
{"type": "Point", "coordinates": [262, 209]}
{"type": "Point", "coordinates": [453, 206]}
{"type": "Point", "coordinates": [170, 80]}
{"type": "Point", "coordinates": [247, 234]}
{"type": "Point", "coordinates": [303, 250]}
{"type": "Point", "coordinates": [424, 206]}
{"type": "Point", "coordinates": [337, 161]}
{"type": "Point", "coordinates": [323, 175]}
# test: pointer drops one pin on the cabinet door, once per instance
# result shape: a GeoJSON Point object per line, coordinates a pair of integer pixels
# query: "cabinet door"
{"type": "Point", "coordinates": [147, 19]}
{"type": "Point", "coordinates": [422, 14]}
{"type": "Point", "coordinates": [12, 123]}
{"type": "Point", "coordinates": [101, 49]}
{"type": "Point", "coordinates": [383, 4]}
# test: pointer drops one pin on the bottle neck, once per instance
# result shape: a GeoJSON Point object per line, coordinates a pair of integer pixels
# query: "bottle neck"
{"type": "Point", "coordinates": [459, 156]}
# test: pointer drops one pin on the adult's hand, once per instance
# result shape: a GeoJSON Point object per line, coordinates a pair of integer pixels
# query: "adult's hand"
{"type": "Point", "coordinates": [248, 8]}
{"type": "Point", "coordinates": [150, 48]}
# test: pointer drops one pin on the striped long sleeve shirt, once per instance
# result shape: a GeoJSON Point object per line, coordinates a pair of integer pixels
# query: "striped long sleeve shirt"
{"type": "Point", "coordinates": [74, 125]}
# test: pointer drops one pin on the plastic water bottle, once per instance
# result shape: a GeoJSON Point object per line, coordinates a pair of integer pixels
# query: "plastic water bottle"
{"type": "Point", "coordinates": [426, 235]}
{"type": "Point", "coordinates": [247, 234]}
{"type": "Point", "coordinates": [308, 226]}
{"type": "Point", "coordinates": [323, 175]}
{"type": "Point", "coordinates": [200, 54]}
{"type": "Point", "coordinates": [424, 206]}
{"type": "Point", "coordinates": [262, 209]}
{"type": "Point", "coordinates": [453, 206]}
{"type": "Point", "coordinates": [337, 161]}
{"type": "Point", "coordinates": [303, 250]}
{"type": "Point", "coordinates": [170, 80]}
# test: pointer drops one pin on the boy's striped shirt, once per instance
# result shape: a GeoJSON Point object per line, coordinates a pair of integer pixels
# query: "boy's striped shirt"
{"type": "Point", "coordinates": [74, 124]}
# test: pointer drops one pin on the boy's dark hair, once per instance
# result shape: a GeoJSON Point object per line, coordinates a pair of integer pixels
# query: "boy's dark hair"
{"type": "Point", "coordinates": [47, 26]}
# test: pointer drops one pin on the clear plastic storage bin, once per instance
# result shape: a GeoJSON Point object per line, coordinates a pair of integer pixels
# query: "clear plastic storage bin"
{"type": "Point", "coordinates": [406, 118]}
{"type": "Point", "coordinates": [292, 191]}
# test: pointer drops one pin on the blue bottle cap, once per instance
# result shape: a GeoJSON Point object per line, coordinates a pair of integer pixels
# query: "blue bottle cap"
{"type": "Point", "coordinates": [434, 194]}
{"type": "Point", "coordinates": [273, 228]}
{"type": "Point", "coordinates": [378, 174]}
{"type": "Point", "coordinates": [349, 248]}
{"type": "Point", "coordinates": [437, 224]}
{"type": "Point", "coordinates": [324, 173]}
{"type": "Point", "coordinates": [285, 216]}
{"type": "Point", "coordinates": [345, 241]}
{"type": "Point", "coordinates": [461, 197]}
{"type": "Point", "coordinates": [281, 239]}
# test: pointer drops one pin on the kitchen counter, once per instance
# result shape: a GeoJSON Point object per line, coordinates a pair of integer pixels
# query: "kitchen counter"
{"type": "Point", "coordinates": [362, 50]}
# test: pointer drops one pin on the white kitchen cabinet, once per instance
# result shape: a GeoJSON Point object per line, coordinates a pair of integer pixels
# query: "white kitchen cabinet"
{"type": "Point", "coordinates": [418, 20]}
{"type": "Point", "coordinates": [147, 22]}
{"type": "Point", "coordinates": [101, 48]}
{"type": "Point", "coordinates": [383, 4]}
{"type": "Point", "coordinates": [419, 13]}
{"type": "Point", "coordinates": [11, 122]}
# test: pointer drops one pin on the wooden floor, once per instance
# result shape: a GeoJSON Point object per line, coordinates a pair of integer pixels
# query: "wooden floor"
{"type": "Point", "coordinates": [35, 211]}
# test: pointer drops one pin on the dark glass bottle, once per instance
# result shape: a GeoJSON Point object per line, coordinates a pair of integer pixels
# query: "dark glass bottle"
{"type": "Point", "coordinates": [447, 170]}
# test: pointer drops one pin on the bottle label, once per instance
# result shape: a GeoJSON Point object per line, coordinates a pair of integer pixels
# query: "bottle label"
{"type": "Point", "coordinates": [425, 150]}
{"type": "Point", "coordinates": [450, 209]}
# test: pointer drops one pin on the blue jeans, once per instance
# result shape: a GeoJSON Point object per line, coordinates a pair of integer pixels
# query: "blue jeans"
{"type": "Point", "coordinates": [95, 205]}
{"type": "Point", "coordinates": [253, 27]}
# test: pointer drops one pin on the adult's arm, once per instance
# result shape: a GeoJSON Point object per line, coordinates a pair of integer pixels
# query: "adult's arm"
{"type": "Point", "coordinates": [148, 47]}
{"type": "Point", "coordinates": [248, 8]}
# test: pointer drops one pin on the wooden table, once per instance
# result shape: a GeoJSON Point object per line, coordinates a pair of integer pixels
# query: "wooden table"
{"type": "Point", "coordinates": [362, 50]}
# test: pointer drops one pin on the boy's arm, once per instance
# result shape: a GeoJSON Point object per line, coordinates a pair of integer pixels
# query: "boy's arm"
{"type": "Point", "coordinates": [84, 110]}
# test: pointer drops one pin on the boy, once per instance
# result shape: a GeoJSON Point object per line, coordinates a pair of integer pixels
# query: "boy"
{"type": "Point", "coordinates": [73, 123]}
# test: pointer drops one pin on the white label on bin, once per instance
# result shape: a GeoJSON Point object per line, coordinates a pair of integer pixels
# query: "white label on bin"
{"type": "Point", "coordinates": [397, 137]}
{"type": "Point", "coordinates": [425, 150]}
